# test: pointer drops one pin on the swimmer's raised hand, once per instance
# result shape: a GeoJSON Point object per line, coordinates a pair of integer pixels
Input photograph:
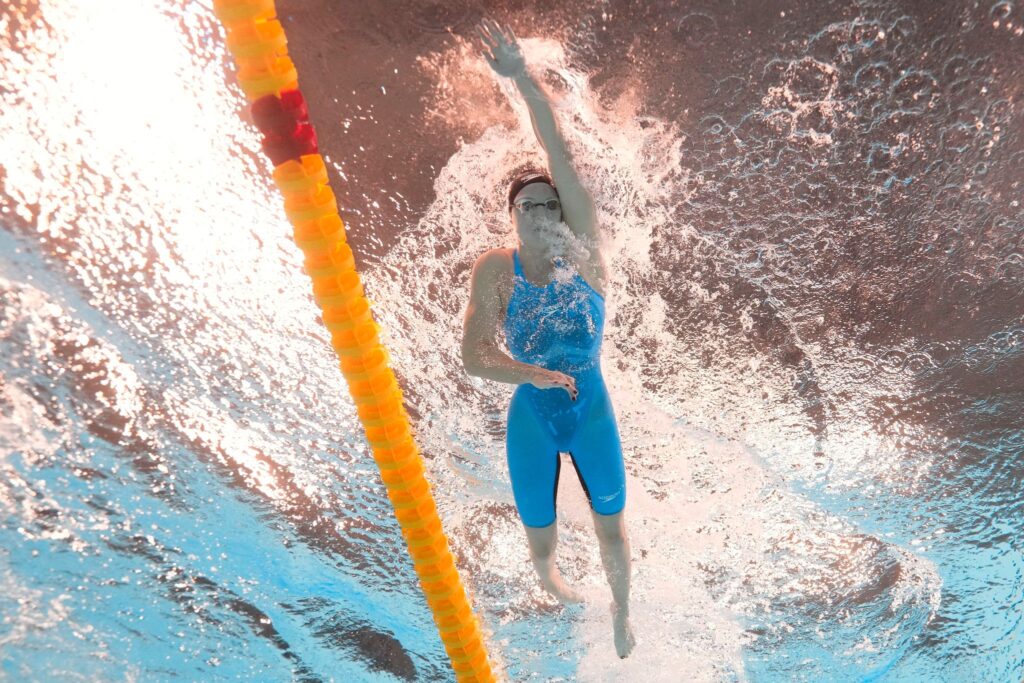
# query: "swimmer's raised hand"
{"type": "Point", "coordinates": [551, 379]}
{"type": "Point", "coordinates": [501, 48]}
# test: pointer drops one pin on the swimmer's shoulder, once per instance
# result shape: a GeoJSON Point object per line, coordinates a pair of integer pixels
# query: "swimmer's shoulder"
{"type": "Point", "coordinates": [496, 262]}
{"type": "Point", "coordinates": [495, 266]}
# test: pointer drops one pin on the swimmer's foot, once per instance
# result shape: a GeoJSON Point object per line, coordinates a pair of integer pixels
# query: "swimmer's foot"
{"type": "Point", "coordinates": [552, 581]}
{"type": "Point", "coordinates": [624, 639]}
{"type": "Point", "coordinates": [564, 593]}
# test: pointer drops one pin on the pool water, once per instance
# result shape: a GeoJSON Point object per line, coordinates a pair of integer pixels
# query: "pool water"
{"type": "Point", "coordinates": [814, 342]}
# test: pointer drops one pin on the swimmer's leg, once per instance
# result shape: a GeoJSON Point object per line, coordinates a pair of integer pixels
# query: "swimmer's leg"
{"type": "Point", "coordinates": [542, 551]}
{"type": "Point", "coordinates": [597, 455]}
{"type": "Point", "coordinates": [615, 553]}
{"type": "Point", "coordinates": [534, 467]}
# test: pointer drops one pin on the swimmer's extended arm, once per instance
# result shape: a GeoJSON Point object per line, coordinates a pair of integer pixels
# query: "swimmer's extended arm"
{"type": "Point", "coordinates": [577, 204]}
{"type": "Point", "coordinates": [507, 60]}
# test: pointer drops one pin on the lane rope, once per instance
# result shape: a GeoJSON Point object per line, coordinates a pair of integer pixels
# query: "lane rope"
{"type": "Point", "coordinates": [269, 80]}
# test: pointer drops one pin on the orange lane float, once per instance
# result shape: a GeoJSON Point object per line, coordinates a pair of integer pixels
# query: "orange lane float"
{"type": "Point", "coordinates": [269, 80]}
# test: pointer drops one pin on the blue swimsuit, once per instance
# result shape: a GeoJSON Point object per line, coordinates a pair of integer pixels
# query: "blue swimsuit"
{"type": "Point", "coordinates": [559, 327]}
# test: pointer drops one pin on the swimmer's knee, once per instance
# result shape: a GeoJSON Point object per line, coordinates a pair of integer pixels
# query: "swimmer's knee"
{"type": "Point", "coordinates": [608, 520]}
{"type": "Point", "coordinates": [542, 539]}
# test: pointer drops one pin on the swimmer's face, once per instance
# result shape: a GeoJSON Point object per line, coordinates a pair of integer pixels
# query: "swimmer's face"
{"type": "Point", "coordinates": [536, 224]}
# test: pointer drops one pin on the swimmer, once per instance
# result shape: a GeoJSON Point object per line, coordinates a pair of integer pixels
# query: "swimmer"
{"type": "Point", "coordinates": [547, 296]}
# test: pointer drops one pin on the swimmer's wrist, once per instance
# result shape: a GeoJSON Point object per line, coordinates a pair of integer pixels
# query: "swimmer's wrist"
{"type": "Point", "coordinates": [527, 86]}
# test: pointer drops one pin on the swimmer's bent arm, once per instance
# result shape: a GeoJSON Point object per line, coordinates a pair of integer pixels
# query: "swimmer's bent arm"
{"type": "Point", "coordinates": [490, 362]}
{"type": "Point", "coordinates": [481, 354]}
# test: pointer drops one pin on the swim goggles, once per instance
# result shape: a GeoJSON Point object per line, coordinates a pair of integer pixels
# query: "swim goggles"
{"type": "Point", "coordinates": [526, 205]}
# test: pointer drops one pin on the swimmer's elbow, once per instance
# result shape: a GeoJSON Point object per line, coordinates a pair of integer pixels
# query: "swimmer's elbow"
{"type": "Point", "coordinates": [470, 357]}
{"type": "Point", "coordinates": [474, 357]}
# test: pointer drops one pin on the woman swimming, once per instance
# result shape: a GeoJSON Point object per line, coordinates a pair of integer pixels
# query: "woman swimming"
{"type": "Point", "coordinates": [547, 296]}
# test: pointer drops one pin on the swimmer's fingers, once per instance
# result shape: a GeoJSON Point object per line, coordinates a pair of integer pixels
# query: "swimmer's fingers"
{"type": "Point", "coordinates": [487, 33]}
{"type": "Point", "coordinates": [489, 46]}
{"type": "Point", "coordinates": [494, 28]}
{"type": "Point", "coordinates": [503, 55]}
{"type": "Point", "coordinates": [504, 33]}
{"type": "Point", "coordinates": [487, 39]}
{"type": "Point", "coordinates": [570, 386]}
